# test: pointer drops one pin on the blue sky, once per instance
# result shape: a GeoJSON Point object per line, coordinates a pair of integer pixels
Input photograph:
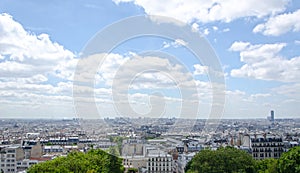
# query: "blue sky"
{"type": "Point", "coordinates": [257, 43]}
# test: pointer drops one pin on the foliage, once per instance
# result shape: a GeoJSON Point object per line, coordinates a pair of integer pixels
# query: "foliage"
{"type": "Point", "coordinates": [114, 150]}
{"type": "Point", "coordinates": [289, 162]}
{"type": "Point", "coordinates": [78, 162]}
{"type": "Point", "coordinates": [118, 140]}
{"type": "Point", "coordinates": [233, 160]}
{"type": "Point", "coordinates": [132, 170]}
{"type": "Point", "coordinates": [222, 160]}
{"type": "Point", "coordinates": [266, 166]}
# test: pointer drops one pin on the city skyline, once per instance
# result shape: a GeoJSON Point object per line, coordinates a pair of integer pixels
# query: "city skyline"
{"type": "Point", "coordinates": [257, 46]}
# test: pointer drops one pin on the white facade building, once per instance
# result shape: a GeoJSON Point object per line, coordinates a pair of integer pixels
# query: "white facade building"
{"type": "Point", "coordinates": [160, 164]}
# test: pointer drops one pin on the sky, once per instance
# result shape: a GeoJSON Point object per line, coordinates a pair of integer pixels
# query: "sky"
{"type": "Point", "coordinates": [257, 45]}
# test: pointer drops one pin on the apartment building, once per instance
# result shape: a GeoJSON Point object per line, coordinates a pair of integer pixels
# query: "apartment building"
{"type": "Point", "coordinates": [9, 156]}
{"type": "Point", "coordinates": [267, 146]}
{"type": "Point", "coordinates": [160, 164]}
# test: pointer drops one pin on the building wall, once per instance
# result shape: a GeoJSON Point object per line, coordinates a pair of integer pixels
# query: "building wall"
{"type": "Point", "coordinates": [9, 157]}
{"type": "Point", "coordinates": [135, 162]}
{"type": "Point", "coordinates": [267, 148]}
{"type": "Point", "coordinates": [160, 164]}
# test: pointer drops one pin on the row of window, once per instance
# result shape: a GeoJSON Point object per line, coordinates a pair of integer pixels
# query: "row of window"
{"type": "Point", "coordinates": [158, 164]}
{"type": "Point", "coordinates": [11, 170]}
{"type": "Point", "coordinates": [11, 151]}
{"type": "Point", "coordinates": [157, 159]}
{"type": "Point", "coordinates": [266, 144]}
{"type": "Point", "coordinates": [12, 160]}
{"type": "Point", "coordinates": [9, 156]}
{"type": "Point", "coordinates": [266, 155]}
{"type": "Point", "coordinates": [157, 169]}
{"type": "Point", "coordinates": [267, 149]}
{"type": "Point", "coordinates": [8, 165]}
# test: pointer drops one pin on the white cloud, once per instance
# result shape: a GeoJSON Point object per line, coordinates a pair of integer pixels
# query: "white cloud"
{"type": "Point", "coordinates": [200, 70]}
{"type": "Point", "coordinates": [206, 31]}
{"type": "Point", "coordinates": [27, 62]}
{"type": "Point", "coordinates": [210, 11]}
{"type": "Point", "coordinates": [239, 46]}
{"type": "Point", "coordinates": [297, 42]}
{"type": "Point", "coordinates": [263, 61]}
{"type": "Point", "coordinates": [280, 24]}
{"type": "Point", "coordinates": [177, 43]}
{"type": "Point", "coordinates": [226, 30]}
{"type": "Point", "coordinates": [25, 54]}
{"type": "Point", "coordinates": [195, 27]}
{"type": "Point", "coordinates": [215, 28]}
{"type": "Point", "coordinates": [291, 91]}
{"type": "Point", "coordinates": [152, 72]}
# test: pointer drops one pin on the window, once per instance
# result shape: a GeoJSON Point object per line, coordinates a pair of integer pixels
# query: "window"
{"type": "Point", "coordinates": [10, 151]}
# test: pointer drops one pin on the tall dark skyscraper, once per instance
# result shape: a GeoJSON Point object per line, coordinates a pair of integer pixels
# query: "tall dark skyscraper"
{"type": "Point", "coordinates": [272, 115]}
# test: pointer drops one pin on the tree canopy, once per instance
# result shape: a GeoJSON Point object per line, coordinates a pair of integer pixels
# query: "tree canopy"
{"type": "Point", "coordinates": [234, 160]}
{"type": "Point", "coordinates": [289, 162]}
{"type": "Point", "coordinates": [77, 162]}
{"type": "Point", "coordinates": [222, 160]}
{"type": "Point", "coordinates": [267, 166]}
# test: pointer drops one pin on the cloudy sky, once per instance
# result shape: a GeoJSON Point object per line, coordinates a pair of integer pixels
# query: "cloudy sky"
{"type": "Point", "coordinates": [257, 44]}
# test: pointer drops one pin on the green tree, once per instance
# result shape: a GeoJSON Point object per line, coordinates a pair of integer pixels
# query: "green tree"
{"type": "Point", "coordinates": [223, 160]}
{"type": "Point", "coordinates": [118, 140]}
{"type": "Point", "coordinates": [266, 166]}
{"type": "Point", "coordinates": [289, 162]}
{"type": "Point", "coordinates": [132, 170]}
{"type": "Point", "coordinates": [78, 162]}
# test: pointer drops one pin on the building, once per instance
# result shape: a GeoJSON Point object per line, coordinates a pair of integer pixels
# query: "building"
{"type": "Point", "coordinates": [272, 116]}
{"type": "Point", "coordinates": [160, 164]}
{"type": "Point", "coordinates": [138, 162]}
{"type": "Point", "coordinates": [9, 156]}
{"type": "Point", "coordinates": [182, 161]}
{"type": "Point", "coordinates": [266, 146]}
{"type": "Point", "coordinates": [53, 149]}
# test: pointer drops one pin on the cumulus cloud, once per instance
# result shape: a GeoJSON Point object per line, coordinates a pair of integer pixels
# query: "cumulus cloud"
{"type": "Point", "coordinates": [292, 91]}
{"type": "Point", "coordinates": [226, 30]}
{"type": "Point", "coordinates": [263, 61]}
{"type": "Point", "coordinates": [200, 69]}
{"type": "Point", "coordinates": [239, 45]}
{"type": "Point", "coordinates": [210, 11]}
{"type": "Point", "coordinates": [177, 43]}
{"type": "Point", "coordinates": [27, 63]}
{"type": "Point", "coordinates": [280, 24]}
{"type": "Point", "coordinates": [25, 54]}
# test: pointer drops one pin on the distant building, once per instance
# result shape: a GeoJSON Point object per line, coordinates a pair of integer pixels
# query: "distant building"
{"type": "Point", "coordinates": [272, 115]}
